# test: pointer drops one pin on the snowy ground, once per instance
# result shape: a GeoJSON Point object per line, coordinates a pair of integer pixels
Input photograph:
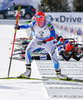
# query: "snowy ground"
{"type": "Point", "coordinates": [23, 89]}
{"type": "Point", "coordinates": [16, 89]}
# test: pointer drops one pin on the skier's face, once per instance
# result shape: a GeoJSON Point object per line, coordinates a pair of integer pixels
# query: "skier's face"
{"type": "Point", "coordinates": [39, 23]}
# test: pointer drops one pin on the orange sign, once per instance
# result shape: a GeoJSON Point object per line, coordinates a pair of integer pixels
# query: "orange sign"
{"type": "Point", "coordinates": [63, 27]}
{"type": "Point", "coordinates": [58, 26]}
{"type": "Point", "coordinates": [68, 29]}
{"type": "Point", "coordinates": [75, 31]}
{"type": "Point", "coordinates": [82, 34]}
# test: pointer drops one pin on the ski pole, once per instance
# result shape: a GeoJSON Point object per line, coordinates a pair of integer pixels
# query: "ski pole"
{"type": "Point", "coordinates": [17, 19]}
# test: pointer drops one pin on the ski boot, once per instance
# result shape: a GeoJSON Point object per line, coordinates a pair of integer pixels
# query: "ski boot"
{"type": "Point", "coordinates": [60, 76]}
{"type": "Point", "coordinates": [26, 74]}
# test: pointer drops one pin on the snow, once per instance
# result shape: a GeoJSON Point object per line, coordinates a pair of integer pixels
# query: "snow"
{"type": "Point", "coordinates": [18, 89]}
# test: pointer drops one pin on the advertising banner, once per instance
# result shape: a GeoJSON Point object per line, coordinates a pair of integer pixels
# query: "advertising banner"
{"type": "Point", "coordinates": [71, 18]}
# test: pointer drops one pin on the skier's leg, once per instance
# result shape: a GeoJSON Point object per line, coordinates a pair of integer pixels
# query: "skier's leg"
{"type": "Point", "coordinates": [29, 49]}
{"type": "Point", "coordinates": [51, 50]}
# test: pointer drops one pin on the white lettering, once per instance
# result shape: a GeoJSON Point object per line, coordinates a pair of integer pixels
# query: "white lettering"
{"type": "Point", "coordinates": [22, 12]}
{"type": "Point", "coordinates": [10, 12]}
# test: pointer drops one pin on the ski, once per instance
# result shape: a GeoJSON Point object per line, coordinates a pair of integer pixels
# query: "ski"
{"type": "Point", "coordinates": [22, 42]}
{"type": "Point", "coordinates": [18, 58]}
{"type": "Point", "coordinates": [68, 79]}
{"type": "Point", "coordinates": [44, 78]}
{"type": "Point", "coordinates": [21, 39]}
{"type": "Point", "coordinates": [19, 77]}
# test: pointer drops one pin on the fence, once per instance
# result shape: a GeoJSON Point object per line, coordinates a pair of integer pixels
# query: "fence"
{"type": "Point", "coordinates": [69, 31]}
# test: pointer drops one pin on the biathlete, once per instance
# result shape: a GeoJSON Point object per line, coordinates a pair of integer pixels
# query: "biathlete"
{"type": "Point", "coordinates": [68, 49]}
{"type": "Point", "coordinates": [44, 34]}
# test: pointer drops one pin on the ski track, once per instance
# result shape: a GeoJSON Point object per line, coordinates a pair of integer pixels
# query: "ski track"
{"type": "Point", "coordinates": [24, 89]}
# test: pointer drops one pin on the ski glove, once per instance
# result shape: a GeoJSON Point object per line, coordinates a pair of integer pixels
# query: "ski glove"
{"type": "Point", "coordinates": [17, 27]}
{"type": "Point", "coordinates": [41, 42]}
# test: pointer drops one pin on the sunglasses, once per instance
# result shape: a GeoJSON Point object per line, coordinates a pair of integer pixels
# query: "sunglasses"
{"type": "Point", "coordinates": [38, 16]}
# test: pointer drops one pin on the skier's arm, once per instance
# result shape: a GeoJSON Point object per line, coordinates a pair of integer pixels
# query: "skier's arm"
{"type": "Point", "coordinates": [31, 24]}
{"type": "Point", "coordinates": [52, 32]}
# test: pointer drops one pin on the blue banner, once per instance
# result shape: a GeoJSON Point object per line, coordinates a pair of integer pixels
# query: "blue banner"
{"type": "Point", "coordinates": [79, 32]}
{"type": "Point", "coordinates": [71, 30]}
{"type": "Point", "coordinates": [61, 27]}
{"type": "Point", "coordinates": [65, 28]}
